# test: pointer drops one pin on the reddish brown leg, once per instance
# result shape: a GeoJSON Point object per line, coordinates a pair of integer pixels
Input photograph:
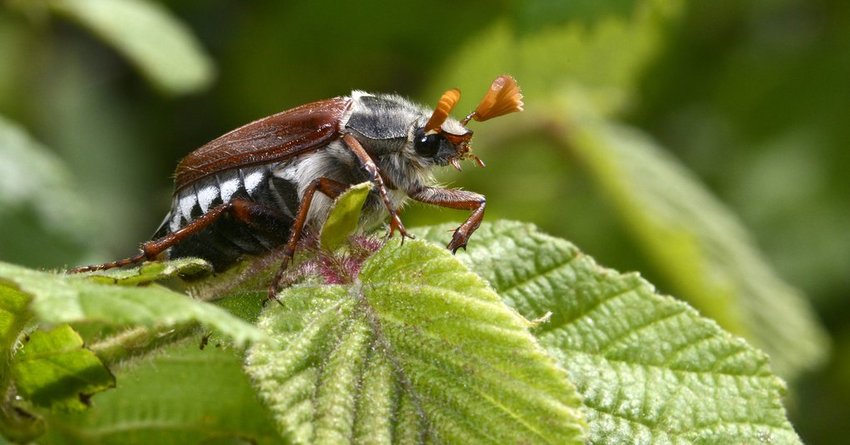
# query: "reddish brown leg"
{"type": "Point", "coordinates": [375, 177]}
{"type": "Point", "coordinates": [241, 209]}
{"type": "Point", "coordinates": [327, 186]}
{"type": "Point", "coordinates": [456, 199]}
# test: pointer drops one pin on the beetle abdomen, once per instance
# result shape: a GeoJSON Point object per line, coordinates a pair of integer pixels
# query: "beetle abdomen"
{"type": "Point", "coordinates": [228, 238]}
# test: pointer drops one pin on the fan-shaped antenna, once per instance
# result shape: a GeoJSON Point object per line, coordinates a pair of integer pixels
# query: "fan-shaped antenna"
{"type": "Point", "coordinates": [503, 97]}
{"type": "Point", "coordinates": [444, 107]}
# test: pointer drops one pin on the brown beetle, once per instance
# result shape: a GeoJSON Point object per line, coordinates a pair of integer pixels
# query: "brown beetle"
{"type": "Point", "coordinates": [254, 189]}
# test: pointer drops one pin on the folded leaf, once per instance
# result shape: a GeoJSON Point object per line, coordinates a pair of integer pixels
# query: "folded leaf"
{"type": "Point", "coordinates": [58, 298]}
{"type": "Point", "coordinates": [344, 216]}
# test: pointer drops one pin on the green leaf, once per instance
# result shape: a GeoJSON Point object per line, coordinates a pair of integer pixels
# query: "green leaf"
{"type": "Point", "coordinates": [344, 216]}
{"type": "Point", "coordinates": [181, 394]}
{"type": "Point", "coordinates": [15, 423]}
{"type": "Point", "coordinates": [153, 271]}
{"type": "Point", "coordinates": [695, 242]}
{"type": "Point", "coordinates": [698, 244]}
{"type": "Point", "coordinates": [649, 368]}
{"type": "Point", "coordinates": [14, 316]}
{"type": "Point", "coordinates": [53, 369]}
{"type": "Point", "coordinates": [161, 47]}
{"type": "Point", "coordinates": [42, 210]}
{"type": "Point", "coordinates": [76, 298]}
{"type": "Point", "coordinates": [417, 349]}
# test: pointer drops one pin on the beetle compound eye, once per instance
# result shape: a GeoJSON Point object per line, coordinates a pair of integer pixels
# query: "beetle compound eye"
{"type": "Point", "coordinates": [427, 144]}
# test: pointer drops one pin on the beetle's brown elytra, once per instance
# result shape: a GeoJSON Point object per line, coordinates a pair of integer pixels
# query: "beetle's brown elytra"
{"type": "Point", "coordinates": [255, 188]}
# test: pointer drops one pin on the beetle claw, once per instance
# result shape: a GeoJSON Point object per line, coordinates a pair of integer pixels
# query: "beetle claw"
{"type": "Point", "coordinates": [459, 240]}
{"type": "Point", "coordinates": [397, 225]}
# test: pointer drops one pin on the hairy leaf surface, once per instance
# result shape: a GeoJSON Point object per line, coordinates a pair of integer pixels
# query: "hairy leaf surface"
{"type": "Point", "coordinates": [181, 394]}
{"type": "Point", "coordinates": [79, 298]}
{"type": "Point", "coordinates": [417, 349]}
{"type": "Point", "coordinates": [648, 367]}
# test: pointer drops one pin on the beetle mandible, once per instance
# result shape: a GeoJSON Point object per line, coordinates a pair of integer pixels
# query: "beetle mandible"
{"type": "Point", "coordinates": [253, 189]}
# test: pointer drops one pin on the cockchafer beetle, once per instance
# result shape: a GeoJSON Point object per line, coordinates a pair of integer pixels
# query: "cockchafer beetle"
{"type": "Point", "coordinates": [253, 189]}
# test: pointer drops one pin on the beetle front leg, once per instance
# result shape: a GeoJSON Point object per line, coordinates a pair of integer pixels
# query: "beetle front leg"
{"type": "Point", "coordinates": [375, 176]}
{"type": "Point", "coordinates": [456, 199]}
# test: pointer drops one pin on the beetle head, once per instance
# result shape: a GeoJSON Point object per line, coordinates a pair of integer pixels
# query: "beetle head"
{"type": "Point", "coordinates": [503, 97]}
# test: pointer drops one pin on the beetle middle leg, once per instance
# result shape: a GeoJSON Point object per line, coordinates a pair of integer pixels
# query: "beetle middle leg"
{"type": "Point", "coordinates": [456, 199]}
{"type": "Point", "coordinates": [243, 210]}
{"type": "Point", "coordinates": [331, 189]}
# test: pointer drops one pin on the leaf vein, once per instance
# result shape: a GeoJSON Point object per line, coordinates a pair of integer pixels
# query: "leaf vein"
{"type": "Point", "coordinates": [633, 330]}
{"type": "Point", "coordinates": [541, 273]}
{"type": "Point", "coordinates": [682, 371]}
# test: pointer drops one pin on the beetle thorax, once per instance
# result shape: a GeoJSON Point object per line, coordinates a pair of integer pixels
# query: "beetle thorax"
{"type": "Point", "coordinates": [386, 125]}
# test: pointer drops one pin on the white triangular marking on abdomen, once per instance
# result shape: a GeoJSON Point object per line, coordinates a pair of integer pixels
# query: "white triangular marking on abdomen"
{"type": "Point", "coordinates": [206, 196]}
{"type": "Point", "coordinates": [228, 188]}
{"type": "Point", "coordinates": [187, 203]}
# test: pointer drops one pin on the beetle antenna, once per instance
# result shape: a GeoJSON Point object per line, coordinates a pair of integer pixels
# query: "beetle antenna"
{"type": "Point", "coordinates": [444, 107]}
{"type": "Point", "coordinates": [503, 97]}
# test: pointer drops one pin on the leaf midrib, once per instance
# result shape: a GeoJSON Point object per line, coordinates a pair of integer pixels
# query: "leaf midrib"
{"type": "Point", "coordinates": [371, 314]}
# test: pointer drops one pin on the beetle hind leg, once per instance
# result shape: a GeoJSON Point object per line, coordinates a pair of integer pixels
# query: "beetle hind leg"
{"type": "Point", "coordinates": [110, 265]}
{"type": "Point", "coordinates": [243, 210]}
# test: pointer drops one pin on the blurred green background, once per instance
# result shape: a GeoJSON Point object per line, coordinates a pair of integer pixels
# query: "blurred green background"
{"type": "Point", "coordinates": [697, 143]}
